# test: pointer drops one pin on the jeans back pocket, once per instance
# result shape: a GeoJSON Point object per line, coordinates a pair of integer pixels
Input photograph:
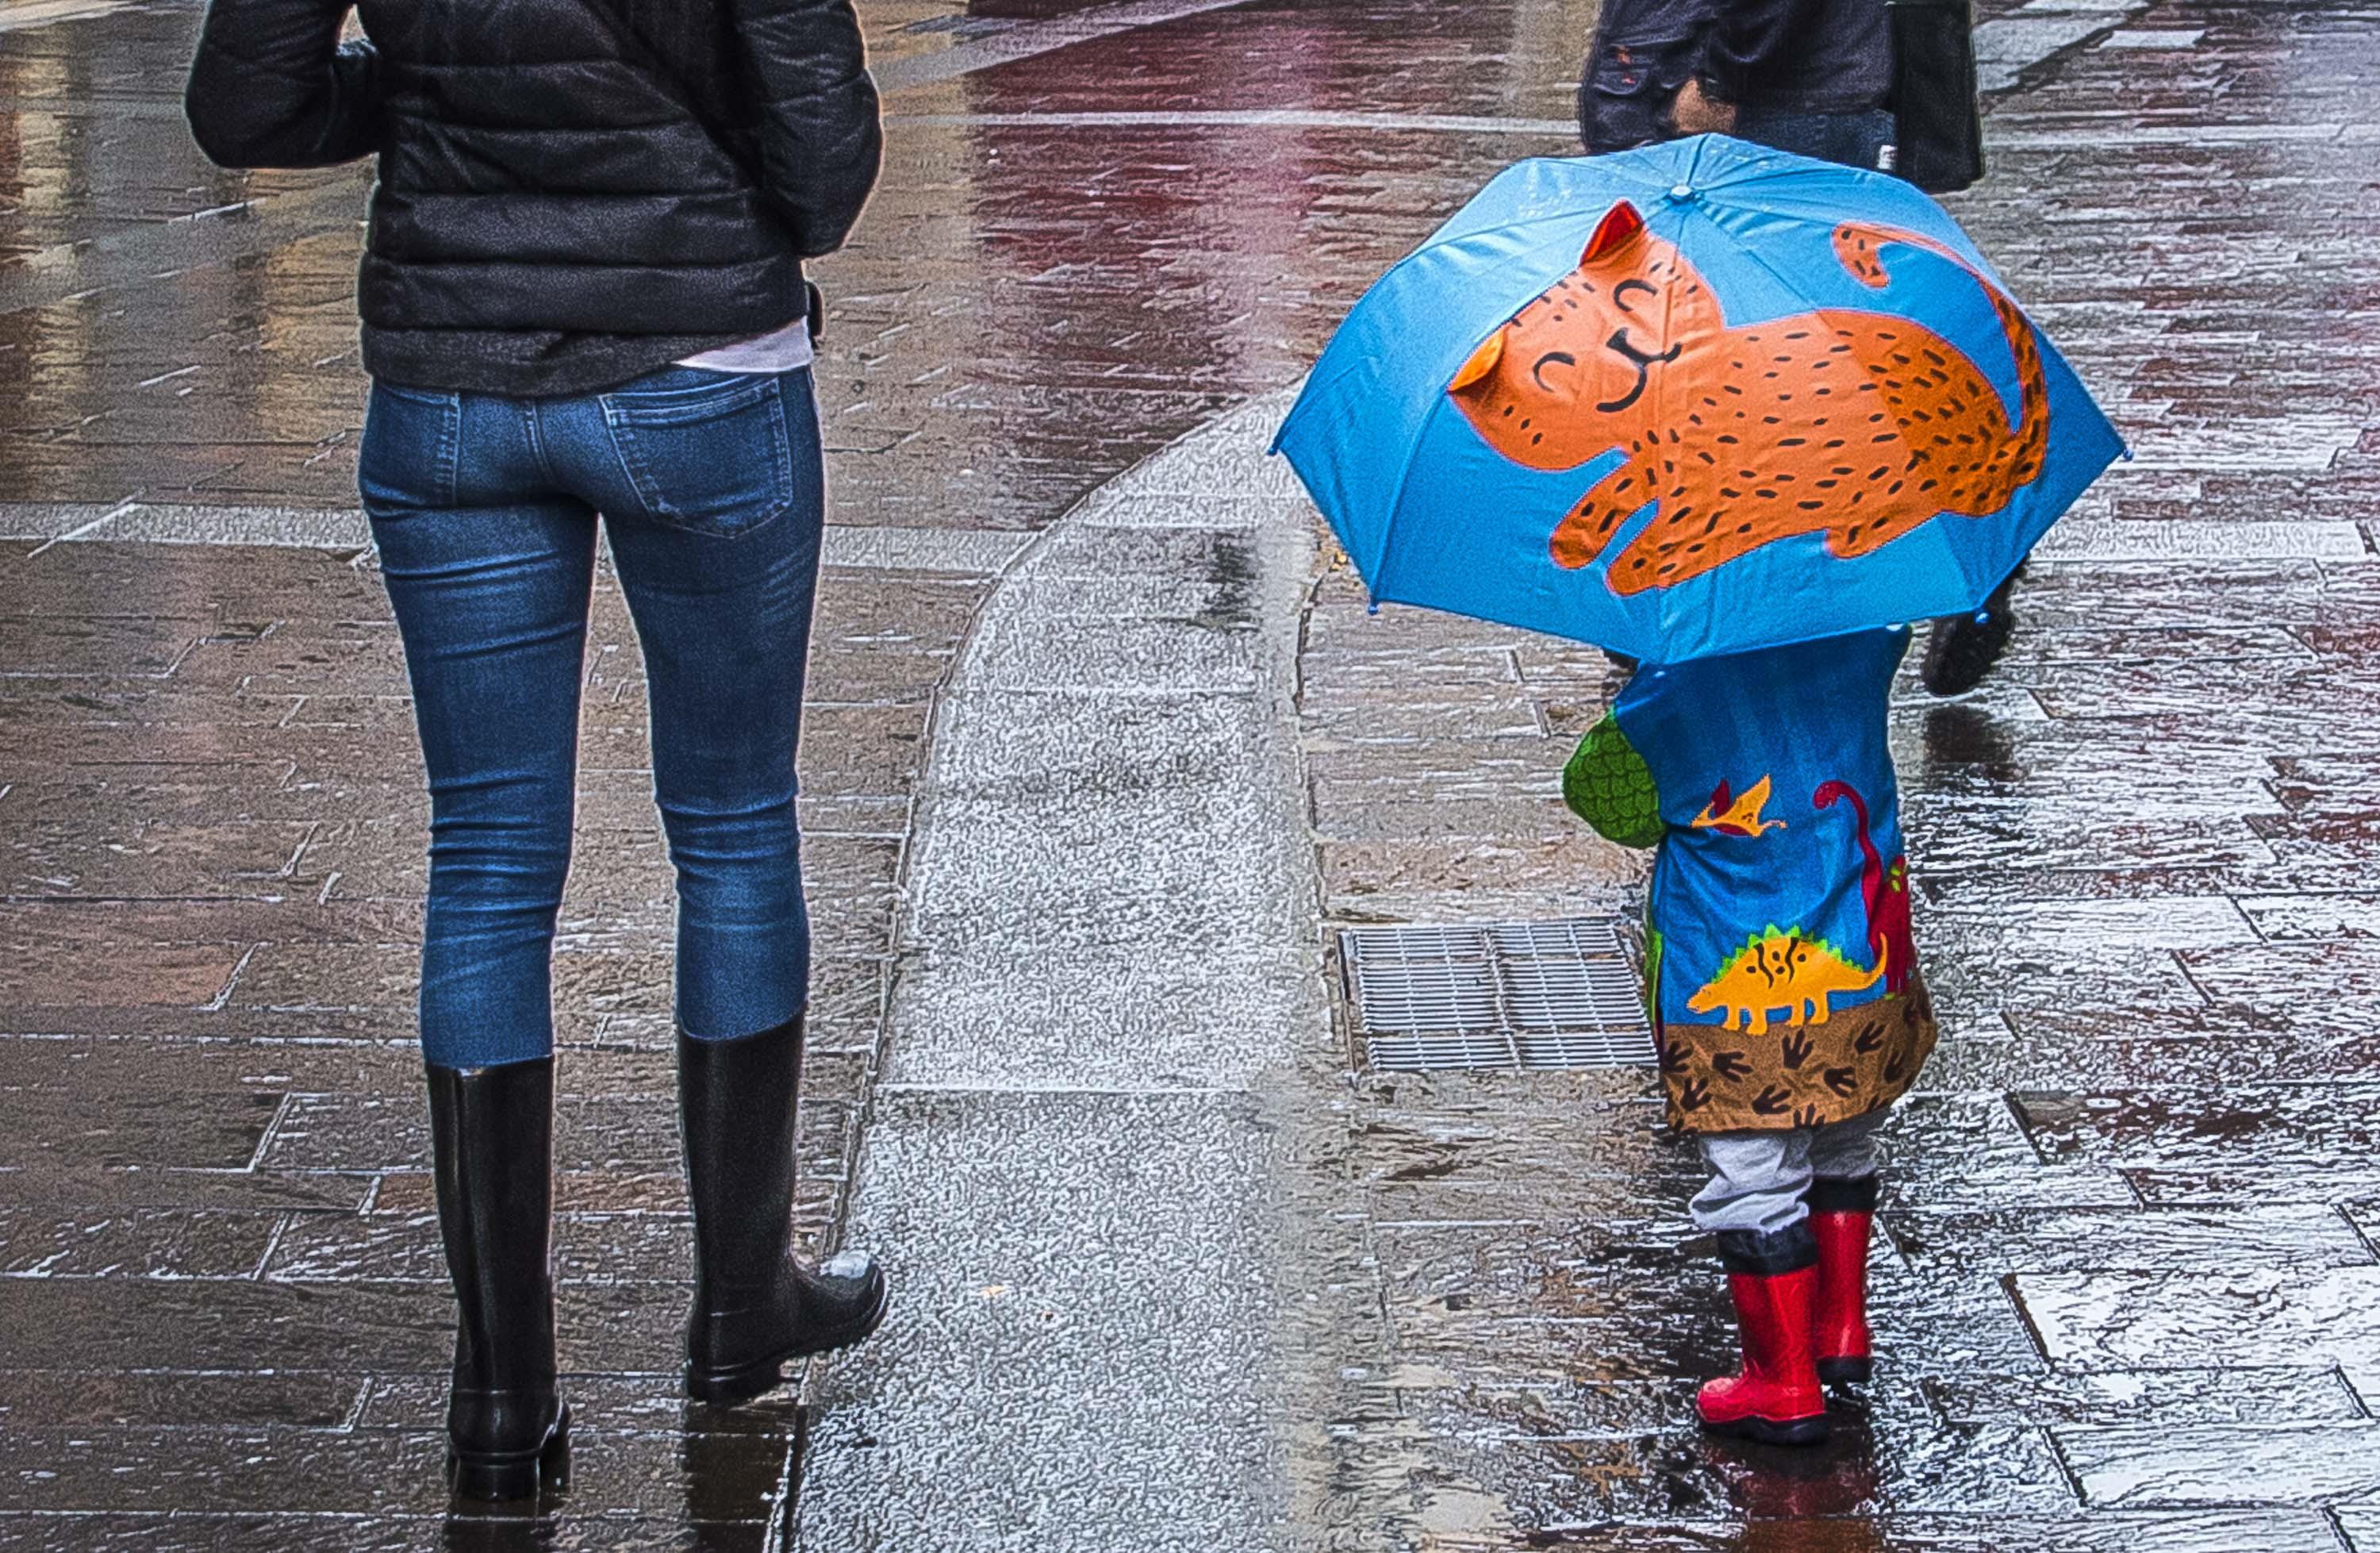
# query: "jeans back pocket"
{"type": "Point", "coordinates": [713, 458]}
{"type": "Point", "coordinates": [412, 445]}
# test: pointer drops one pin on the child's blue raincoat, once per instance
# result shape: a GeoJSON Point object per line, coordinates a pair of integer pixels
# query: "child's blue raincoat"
{"type": "Point", "coordinates": [1781, 974]}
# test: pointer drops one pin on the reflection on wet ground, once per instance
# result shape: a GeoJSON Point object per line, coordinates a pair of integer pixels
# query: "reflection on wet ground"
{"type": "Point", "coordinates": [2126, 1285]}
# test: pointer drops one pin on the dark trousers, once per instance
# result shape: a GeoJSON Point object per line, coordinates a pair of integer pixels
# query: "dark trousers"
{"type": "Point", "coordinates": [1855, 140]}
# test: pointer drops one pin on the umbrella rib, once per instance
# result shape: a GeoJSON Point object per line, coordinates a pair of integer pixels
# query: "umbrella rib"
{"type": "Point", "coordinates": [1649, 186]}
{"type": "Point", "coordinates": [1397, 498]}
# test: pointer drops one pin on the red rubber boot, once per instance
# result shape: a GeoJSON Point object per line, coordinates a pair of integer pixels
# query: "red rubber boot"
{"type": "Point", "coordinates": [1841, 1215]}
{"type": "Point", "coordinates": [1776, 1400]}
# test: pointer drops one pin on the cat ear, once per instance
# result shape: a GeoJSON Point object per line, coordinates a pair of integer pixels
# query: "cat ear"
{"type": "Point", "coordinates": [1619, 223]}
{"type": "Point", "coordinates": [1483, 362]}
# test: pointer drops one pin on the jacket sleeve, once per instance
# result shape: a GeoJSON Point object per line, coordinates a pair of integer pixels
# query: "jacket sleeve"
{"type": "Point", "coordinates": [820, 141]}
{"type": "Point", "coordinates": [1744, 41]}
{"type": "Point", "coordinates": [272, 87]}
{"type": "Point", "coordinates": [1607, 784]}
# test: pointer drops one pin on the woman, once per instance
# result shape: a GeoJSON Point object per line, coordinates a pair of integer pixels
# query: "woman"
{"type": "Point", "coordinates": [583, 293]}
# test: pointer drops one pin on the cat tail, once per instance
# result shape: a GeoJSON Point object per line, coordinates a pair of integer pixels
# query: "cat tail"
{"type": "Point", "coordinates": [1861, 250]}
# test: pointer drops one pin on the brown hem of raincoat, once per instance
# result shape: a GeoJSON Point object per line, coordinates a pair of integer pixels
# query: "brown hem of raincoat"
{"type": "Point", "coordinates": [1722, 1080]}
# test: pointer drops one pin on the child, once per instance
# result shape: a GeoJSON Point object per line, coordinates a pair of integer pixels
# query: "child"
{"type": "Point", "coordinates": [1780, 978]}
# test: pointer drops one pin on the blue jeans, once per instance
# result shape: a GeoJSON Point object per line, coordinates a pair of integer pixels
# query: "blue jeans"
{"type": "Point", "coordinates": [484, 510]}
{"type": "Point", "coordinates": [1855, 140]}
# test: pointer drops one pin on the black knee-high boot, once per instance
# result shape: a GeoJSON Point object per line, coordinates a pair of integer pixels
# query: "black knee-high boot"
{"type": "Point", "coordinates": [492, 1134]}
{"type": "Point", "coordinates": [754, 1306]}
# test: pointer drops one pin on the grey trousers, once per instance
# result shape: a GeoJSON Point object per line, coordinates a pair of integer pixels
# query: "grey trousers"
{"type": "Point", "coordinates": [1758, 1178]}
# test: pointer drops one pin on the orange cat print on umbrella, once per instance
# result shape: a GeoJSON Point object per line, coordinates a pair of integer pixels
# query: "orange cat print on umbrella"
{"type": "Point", "coordinates": [1862, 426]}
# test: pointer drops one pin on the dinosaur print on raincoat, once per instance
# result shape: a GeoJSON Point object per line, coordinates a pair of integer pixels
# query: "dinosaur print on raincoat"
{"type": "Point", "coordinates": [1857, 425]}
{"type": "Point", "coordinates": [1780, 969]}
{"type": "Point", "coordinates": [1798, 1025]}
{"type": "Point", "coordinates": [1884, 889]}
{"type": "Point", "coordinates": [1731, 815]}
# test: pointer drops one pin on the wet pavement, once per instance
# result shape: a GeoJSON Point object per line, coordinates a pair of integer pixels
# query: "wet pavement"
{"type": "Point", "coordinates": [2127, 1285]}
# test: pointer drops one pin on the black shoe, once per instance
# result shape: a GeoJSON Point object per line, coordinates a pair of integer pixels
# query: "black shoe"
{"type": "Point", "coordinates": [492, 1144]}
{"type": "Point", "coordinates": [754, 1306]}
{"type": "Point", "coordinates": [1964, 647]}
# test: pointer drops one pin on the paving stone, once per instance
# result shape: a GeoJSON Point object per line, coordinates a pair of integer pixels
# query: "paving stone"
{"type": "Point", "coordinates": [1510, 878]}
{"type": "Point", "coordinates": [215, 1324]}
{"type": "Point", "coordinates": [2296, 1234]}
{"type": "Point", "coordinates": [2215, 1049]}
{"type": "Point", "coordinates": [1870, 1471]}
{"type": "Point", "coordinates": [1004, 1300]}
{"type": "Point", "coordinates": [298, 1532]}
{"type": "Point", "coordinates": [145, 1242]}
{"type": "Point", "coordinates": [2281, 1122]}
{"type": "Point", "coordinates": [2359, 1524]}
{"type": "Point", "coordinates": [89, 1399]}
{"type": "Point", "coordinates": [2240, 1396]}
{"type": "Point", "coordinates": [2246, 1315]}
{"type": "Point", "coordinates": [2145, 1467]}
{"type": "Point", "coordinates": [222, 1130]}
{"type": "Point", "coordinates": [2211, 1532]}
{"type": "Point", "coordinates": [2253, 1182]}
{"type": "Point", "coordinates": [376, 1472]}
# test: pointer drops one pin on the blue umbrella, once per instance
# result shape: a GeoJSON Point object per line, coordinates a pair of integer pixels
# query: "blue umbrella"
{"type": "Point", "coordinates": [1696, 398]}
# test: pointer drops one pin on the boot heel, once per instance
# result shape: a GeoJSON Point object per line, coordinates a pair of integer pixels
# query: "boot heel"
{"type": "Point", "coordinates": [859, 1325]}
{"type": "Point", "coordinates": [726, 1388]}
{"type": "Point", "coordinates": [1766, 1431]}
{"type": "Point", "coordinates": [513, 1477]}
{"type": "Point", "coordinates": [1846, 1371]}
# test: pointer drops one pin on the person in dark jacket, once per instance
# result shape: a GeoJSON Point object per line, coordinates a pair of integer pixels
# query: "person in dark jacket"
{"type": "Point", "coordinates": [583, 293]}
{"type": "Point", "coordinates": [1813, 77]}
{"type": "Point", "coordinates": [1806, 76]}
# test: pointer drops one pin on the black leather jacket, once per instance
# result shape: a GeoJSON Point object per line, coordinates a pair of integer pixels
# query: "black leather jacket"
{"type": "Point", "coordinates": [1764, 55]}
{"type": "Point", "coordinates": [572, 192]}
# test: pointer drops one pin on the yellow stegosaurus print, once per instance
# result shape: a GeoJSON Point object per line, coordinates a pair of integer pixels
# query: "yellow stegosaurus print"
{"type": "Point", "coordinates": [1782, 968]}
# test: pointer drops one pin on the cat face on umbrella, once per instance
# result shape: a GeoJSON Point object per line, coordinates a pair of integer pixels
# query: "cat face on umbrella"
{"type": "Point", "coordinates": [1593, 345]}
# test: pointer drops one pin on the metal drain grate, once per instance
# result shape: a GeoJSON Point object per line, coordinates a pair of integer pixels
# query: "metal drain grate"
{"type": "Point", "coordinates": [1500, 995]}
